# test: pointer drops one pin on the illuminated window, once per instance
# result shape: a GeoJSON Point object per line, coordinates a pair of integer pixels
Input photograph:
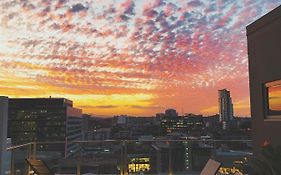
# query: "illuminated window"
{"type": "Point", "coordinates": [138, 167]}
{"type": "Point", "coordinates": [273, 99]}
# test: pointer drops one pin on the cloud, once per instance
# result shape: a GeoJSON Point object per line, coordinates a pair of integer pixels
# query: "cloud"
{"type": "Point", "coordinates": [128, 47]}
{"type": "Point", "coordinates": [238, 106]}
{"type": "Point", "coordinates": [195, 3]}
{"type": "Point", "coordinates": [106, 106]}
{"type": "Point", "coordinates": [150, 13]}
{"type": "Point", "coordinates": [77, 8]}
{"type": "Point", "coordinates": [124, 17]}
{"type": "Point", "coordinates": [128, 6]}
{"type": "Point", "coordinates": [146, 107]}
{"type": "Point", "coordinates": [98, 107]}
{"type": "Point", "coordinates": [275, 97]}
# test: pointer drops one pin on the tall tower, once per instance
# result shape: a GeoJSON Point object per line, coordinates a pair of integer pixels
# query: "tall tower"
{"type": "Point", "coordinates": [225, 107]}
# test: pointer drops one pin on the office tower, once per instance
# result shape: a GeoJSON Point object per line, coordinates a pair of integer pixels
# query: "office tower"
{"type": "Point", "coordinates": [45, 120]}
{"type": "Point", "coordinates": [225, 106]}
{"type": "Point", "coordinates": [3, 131]}
{"type": "Point", "coordinates": [171, 113]}
{"type": "Point", "coordinates": [86, 130]}
{"type": "Point", "coordinates": [190, 123]}
{"type": "Point", "coordinates": [122, 119]}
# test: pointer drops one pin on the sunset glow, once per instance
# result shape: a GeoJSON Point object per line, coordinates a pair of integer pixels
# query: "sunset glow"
{"type": "Point", "coordinates": [128, 57]}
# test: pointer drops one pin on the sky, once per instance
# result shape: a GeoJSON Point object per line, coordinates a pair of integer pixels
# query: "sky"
{"type": "Point", "coordinates": [129, 57]}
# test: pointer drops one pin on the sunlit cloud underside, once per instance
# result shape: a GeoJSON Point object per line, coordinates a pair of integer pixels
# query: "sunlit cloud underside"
{"type": "Point", "coordinates": [128, 57]}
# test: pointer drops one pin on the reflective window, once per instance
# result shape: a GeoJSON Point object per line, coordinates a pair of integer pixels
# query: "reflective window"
{"type": "Point", "coordinates": [274, 99]}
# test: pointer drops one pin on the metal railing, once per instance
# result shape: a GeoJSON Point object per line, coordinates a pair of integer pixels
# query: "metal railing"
{"type": "Point", "coordinates": [131, 156]}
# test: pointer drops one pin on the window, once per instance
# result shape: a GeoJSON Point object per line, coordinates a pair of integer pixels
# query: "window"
{"type": "Point", "coordinates": [273, 99]}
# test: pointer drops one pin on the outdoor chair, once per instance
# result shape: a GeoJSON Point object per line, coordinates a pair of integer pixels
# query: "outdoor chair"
{"type": "Point", "coordinates": [39, 167]}
{"type": "Point", "coordinates": [211, 168]}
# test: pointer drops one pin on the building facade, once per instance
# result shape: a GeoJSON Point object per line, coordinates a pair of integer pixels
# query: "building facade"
{"type": "Point", "coordinates": [225, 107]}
{"type": "Point", "coordinates": [171, 113]}
{"type": "Point", "coordinates": [3, 132]}
{"type": "Point", "coordinates": [167, 157]}
{"type": "Point", "coordinates": [196, 154]}
{"type": "Point", "coordinates": [264, 53]}
{"type": "Point", "coordinates": [45, 120]}
{"type": "Point", "coordinates": [189, 124]}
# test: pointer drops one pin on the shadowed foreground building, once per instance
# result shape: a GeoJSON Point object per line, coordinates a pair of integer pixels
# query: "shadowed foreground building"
{"type": "Point", "coordinates": [3, 132]}
{"type": "Point", "coordinates": [45, 120]}
{"type": "Point", "coordinates": [264, 50]}
{"type": "Point", "coordinates": [160, 157]}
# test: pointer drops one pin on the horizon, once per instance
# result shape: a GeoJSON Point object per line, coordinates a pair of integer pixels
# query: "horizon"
{"type": "Point", "coordinates": [129, 57]}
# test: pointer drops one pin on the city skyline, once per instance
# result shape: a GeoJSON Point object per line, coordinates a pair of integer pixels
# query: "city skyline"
{"type": "Point", "coordinates": [128, 57]}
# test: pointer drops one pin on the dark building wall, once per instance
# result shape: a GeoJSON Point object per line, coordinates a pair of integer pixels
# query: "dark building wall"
{"type": "Point", "coordinates": [161, 153]}
{"type": "Point", "coordinates": [264, 51]}
{"type": "Point", "coordinates": [3, 132]}
{"type": "Point", "coordinates": [45, 120]}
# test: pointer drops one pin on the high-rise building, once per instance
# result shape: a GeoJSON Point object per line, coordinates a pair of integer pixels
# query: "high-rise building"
{"type": "Point", "coordinates": [45, 120]}
{"type": "Point", "coordinates": [225, 107]}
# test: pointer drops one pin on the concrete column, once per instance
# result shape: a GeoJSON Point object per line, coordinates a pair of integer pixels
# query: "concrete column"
{"type": "Point", "coordinates": [3, 131]}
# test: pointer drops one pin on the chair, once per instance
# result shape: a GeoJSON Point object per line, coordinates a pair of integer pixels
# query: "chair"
{"type": "Point", "coordinates": [211, 168]}
{"type": "Point", "coordinates": [39, 167]}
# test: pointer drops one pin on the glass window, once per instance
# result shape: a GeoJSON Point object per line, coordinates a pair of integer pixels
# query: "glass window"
{"type": "Point", "coordinates": [273, 95]}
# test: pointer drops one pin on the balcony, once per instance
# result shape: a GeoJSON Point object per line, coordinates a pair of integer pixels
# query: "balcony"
{"type": "Point", "coordinates": [130, 156]}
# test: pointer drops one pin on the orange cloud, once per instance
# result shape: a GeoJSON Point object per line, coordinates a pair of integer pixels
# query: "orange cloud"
{"type": "Point", "coordinates": [135, 57]}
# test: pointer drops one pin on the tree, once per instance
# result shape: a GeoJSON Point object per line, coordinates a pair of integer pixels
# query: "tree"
{"type": "Point", "coordinates": [268, 162]}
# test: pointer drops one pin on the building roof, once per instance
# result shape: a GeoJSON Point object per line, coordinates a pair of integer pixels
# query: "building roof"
{"type": "Point", "coordinates": [268, 18]}
{"type": "Point", "coordinates": [40, 101]}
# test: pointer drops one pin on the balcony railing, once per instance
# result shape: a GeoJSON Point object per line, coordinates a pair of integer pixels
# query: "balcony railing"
{"type": "Point", "coordinates": [130, 156]}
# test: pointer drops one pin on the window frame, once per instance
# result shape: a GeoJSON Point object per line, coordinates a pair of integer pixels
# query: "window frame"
{"type": "Point", "coordinates": [267, 115]}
